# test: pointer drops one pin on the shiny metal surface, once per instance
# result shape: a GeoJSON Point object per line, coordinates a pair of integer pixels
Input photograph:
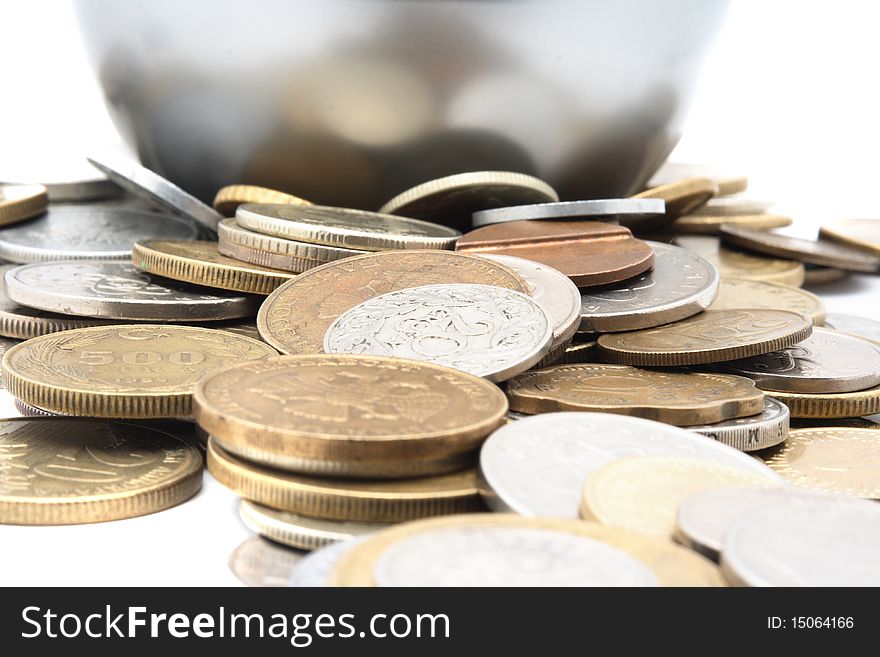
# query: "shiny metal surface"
{"type": "Point", "coordinates": [349, 102]}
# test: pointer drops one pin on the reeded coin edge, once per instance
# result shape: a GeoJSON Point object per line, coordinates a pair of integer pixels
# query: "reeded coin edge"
{"type": "Point", "coordinates": [18, 209]}
{"type": "Point", "coordinates": [830, 405]}
{"type": "Point", "coordinates": [231, 233]}
{"type": "Point", "coordinates": [267, 259]}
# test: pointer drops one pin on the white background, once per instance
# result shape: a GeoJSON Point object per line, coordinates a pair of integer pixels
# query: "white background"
{"type": "Point", "coordinates": [789, 96]}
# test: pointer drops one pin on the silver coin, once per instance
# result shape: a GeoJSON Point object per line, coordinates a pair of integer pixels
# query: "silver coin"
{"type": "Point", "coordinates": [537, 466]}
{"type": "Point", "coordinates": [78, 191]}
{"type": "Point", "coordinates": [344, 227]}
{"type": "Point", "coordinates": [827, 361]}
{"type": "Point", "coordinates": [625, 208]}
{"type": "Point", "coordinates": [316, 568]}
{"type": "Point", "coordinates": [552, 289]}
{"type": "Point", "coordinates": [119, 291]}
{"type": "Point", "coordinates": [143, 182]}
{"type": "Point", "coordinates": [485, 556]}
{"type": "Point", "coordinates": [861, 326]}
{"type": "Point", "coordinates": [488, 331]}
{"type": "Point", "coordinates": [833, 543]}
{"type": "Point", "coordinates": [258, 562]}
{"type": "Point", "coordinates": [681, 284]}
{"type": "Point", "coordinates": [75, 232]}
{"type": "Point", "coordinates": [749, 434]}
{"type": "Point", "coordinates": [703, 518]}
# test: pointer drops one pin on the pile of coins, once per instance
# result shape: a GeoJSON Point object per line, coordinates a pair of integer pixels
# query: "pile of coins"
{"type": "Point", "coordinates": [616, 379]}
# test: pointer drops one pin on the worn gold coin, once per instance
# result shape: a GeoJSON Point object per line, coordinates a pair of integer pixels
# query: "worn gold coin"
{"type": "Point", "coordinates": [201, 263]}
{"type": "Point", "coordinates": [642, 493]}
{"type": "Point", "coordinates": [230, 197]}
{"type": "Point", "coordinates": [127, 371]}
{"type": "Point", "coordinates": [345, 415]}
{"type": "Point", "coordinates": [67, 471]}
{"type": "Point", "coordinates": [20, 202]}
{"type": "Point", "coordinates": [682, 196]}
{"type": "Point", "coordinates": [332, 499]}
{"type": "Point", "coordinates": [734, 264]}
{"type": "Point", "coordinates": [713, 336]}
{"type": "Point", "coordinates": [295, 317]}
{"type": "Point", "coordinates": [860, 233]}
{"type": "Point", "coordinates": [833, 459]}
{"type": "Point", "coordinates": [679, 398]}
{"type": "Point", "coordinates": [830, 405]}
{"type": "Point", "coordinates": [710, 224]}
{"type": "Point", "coordinates": [744, 293]}
{"type": "Point", "coordinates": [671, 564]}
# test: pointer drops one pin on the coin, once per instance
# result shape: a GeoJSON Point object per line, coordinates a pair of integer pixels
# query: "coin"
{"type": "Point", "coordinates": [825, 362]}
{"type": "Point", "coordinates": [352, 500]}
{"type": "Point", "coordinates": [20, 202]}
{"type": "Point", "coordinates": [147, 184]}
{"type": "Point", "coordinates": [733, 264]}
{"type": "Point", "coordinates": [77, 191]}
{"type": "Point", "coordinates": [370, 561]}
{"type": "Point", "coordinates": [316, 568]}
{"type": "Point", "coordinates": [861, 326]}
{"type": "Point", "coordinates": [482, 329]}
{"type": "Point", "coordinates": [228, 198]}
{"type": "Point", "coordinates": [349, 415]}
{"type": "Point", "coordinates": [88, 232]}
{"type": "Point", "coordinates": [588, 252]}
{"type": "Point", "coordinates": [682, 196]}
{"type": "Point", "coordinates": [583, 352]}
{"type": "Point", "coordinates": [816, 252]}
{"type": "Point", "coordinates": [259, 562]}
{"type": "Point", "coordinates": [728, 182]}
{"type": "Point", "coordinates": [552, 290]}
{"type": "Point", "coordinates": [454, 199]}
{"type": "Point", "coordinates": [132, 371]}
{"type": "Point", "coordinates": [642, 493]}
{"type": "Point", "coordinates": [5, 345]}
{"type": "Point", "coordinates": [298, 531]}
{"type": "Point", "coordinates": [295, 317]}
{"type": "Point", "coordinates": [201, 264]}
{"type": "Point", "coordinates": [681, 284]}
{"type": "Point", "coordinates": [830, 405]}
{"type": "Point", "coordinates": [735, 204]}
{"type": "Point", "coordinates": [711, 224]}
{"type": "Point", "coordinates": [71, 471]}
{"type": "Point", "coordinates": [863, 234]}
{"type": "Point", "coordinates": [744, 293]}
{"type": "Point", "coordinates": [703, 518]}
{"type": "Point", "coordinates": [834, 460]}
{"type": "Point", "coordinates": [749, 434]}
{"type": "Point", "coordinates": [114, 290]}
{"type": "Point", "coordinates": [820, 544]}
{"type": "Point", "coordinates": [815, 275]}
{"type": "Point", "coordinates": [679, 398]}
{"type": "Point", "coordinates": [634, 210]}
{"type": "Point", "coordinates": [537, 466]}
{"type": "Point", "coordinates": [345, 227]}
{"type": "Point", "coordinates": [713, 336]}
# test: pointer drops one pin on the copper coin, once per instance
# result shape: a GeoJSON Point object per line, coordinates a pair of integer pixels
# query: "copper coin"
{"type": "Point", "coordinates": [588, 252]}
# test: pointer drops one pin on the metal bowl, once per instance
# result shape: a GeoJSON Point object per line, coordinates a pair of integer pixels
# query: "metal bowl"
{"type": "Point", "coordinates": [349, 102]}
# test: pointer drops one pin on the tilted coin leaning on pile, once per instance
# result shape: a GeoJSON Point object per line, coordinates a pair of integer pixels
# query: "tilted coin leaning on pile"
{"type": "Point", "coordinates": [619, 392]}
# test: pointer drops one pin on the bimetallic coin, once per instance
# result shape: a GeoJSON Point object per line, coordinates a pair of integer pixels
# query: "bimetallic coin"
{"type": "Point", "coordinates": [317, 567]}
{"type": "Point", "coordinates": [88, 233]}
{"type": "Point", "coordinates": [713, 336]}
{"type": "Point", "coordinates": [228, 198]}
{"type": "Point", "coordinates": [70, 471]}
{"type": "Point", "coordinates": [344, 227]}
{"type": "Point", "coordinates": [825, 362]}
{"type": "Point", "coordinates": [752, 433]}
{"type": "Point", "coordinates": [537, 466]}
{"type": "Point", "coordinates": [147, 184]}
{"type": "Point", "coordinates": [733, 264]}
{"type": "Point", "coordinates": [259, 562]}
{"type": "Point", "coordinates": [642, 493]}
{"type": "Point", "coordinates": [735, 204]}
{"type": "Point", "coordinates": [820, 544]}
{"type": "Point", "coordinates": [744, 293]}
{"type": "Point", "coordinates": [728, 182]}
{"type": "Point", "coordinates": [682, 196]}
{"type": "Point", "coordinates": [635, 210]}
{"type": "Point", "coordinates": [862, 234]}
{"type": "Point", "coordinates": [115, 290]}
{"type": "Point", "coordinates": [680, 285]}
{"type": "Point", "coordinates": [861, 326]}
{"type": "Point", "coordinates": [130, 371]}
{"type": "Point", "coordinates": [295, 317]}
{"type": "Point", "coordinates": [349, 415]}
{"type": "Point", "coordinates": [482, 329]}
{"type": "Point", "coordinates": [711, 224]}
{"type": "Point", "coordinates": [679, 398]}
{"type": "Point", "coordinates": [20, 202]}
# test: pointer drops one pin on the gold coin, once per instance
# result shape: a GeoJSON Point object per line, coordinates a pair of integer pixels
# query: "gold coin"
{"type": "Point", "coordinates": [860, 233]}
{"type": "Point", "coordinates": [201, 263]}
{"type": "Point", "coordinates": [295, 317]}
{"type": "Point", "coordinates": [682, 196]}
{"type": "Point", "coordinates": [710, 224]}
{"type": "Point", "coordinates": [671, 564]}
{"type": "Point", "coordinates": [20, 202]}
{"type": "Point", "coordinates": [349, 415]}
{"type": "Point", "coordinates": [679, 398]}
{"type": "Point", "coordinates": [356, 501]}
{"type": "Point", "coordinates": [734, 264]}
{"type": "Point", "coordinates": [247, 329]}
{"type": "Point", "coordinates": [128, 371]}
{"type": "Point", "coordinates": [642, 493]}
{"type": "Point", "coordinates": [713, 336]}
{"type": "Point", "coordinates": [841, 460]}
{"type": "Point", "coordinates": [744, 293]}
{"type": "Point", "coordinates": [68, 471]}
{"type": "Point", "coordinates": [230, 197]}
{"type": "Point", "coordinates": [830, 405]}
{"type": "Point", "coordinates": [728, 182]}
{"type": "Point", "coordinates": [815, 276]}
